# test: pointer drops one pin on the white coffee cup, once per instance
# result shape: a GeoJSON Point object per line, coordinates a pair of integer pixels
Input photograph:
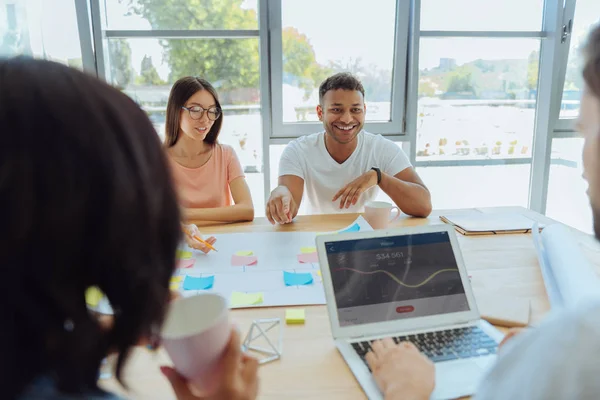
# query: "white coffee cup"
{"type": "Point", "coordinates": [379, 214]}
{"type": "Point", "coordinates": [195, 334]}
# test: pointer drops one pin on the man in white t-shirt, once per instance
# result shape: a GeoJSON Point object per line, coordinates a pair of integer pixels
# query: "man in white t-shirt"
{"type": "Point", "coordinates": [343, 167]}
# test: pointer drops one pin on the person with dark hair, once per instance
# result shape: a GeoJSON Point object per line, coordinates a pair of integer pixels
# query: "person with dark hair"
{"type": "Point", "coordinates": [557, 360]}
{"type": "Point", "coordinates": [86, 200]}
{"type": "Point", "coordinates": [344, 167]}
{"type": "Point", "coordinates": [208, 176]}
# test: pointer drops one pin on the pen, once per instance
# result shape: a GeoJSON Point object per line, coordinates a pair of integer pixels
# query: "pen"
{"type": "Point", "coordinates": [204, 242]}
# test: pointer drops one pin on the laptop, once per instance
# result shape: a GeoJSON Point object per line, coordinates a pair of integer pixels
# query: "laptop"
{"type": "Point", "coordinates": [408, 284]}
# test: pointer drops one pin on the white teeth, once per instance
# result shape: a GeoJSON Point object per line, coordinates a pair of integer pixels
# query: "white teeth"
{"type": "Point", "coordinates": [345, 128]}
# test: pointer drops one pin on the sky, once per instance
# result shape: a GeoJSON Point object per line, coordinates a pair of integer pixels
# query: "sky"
{"type": "Point", "coordinates": [363, 28]}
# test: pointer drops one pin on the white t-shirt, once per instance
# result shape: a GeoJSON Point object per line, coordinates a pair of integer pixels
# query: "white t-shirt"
{"type": "Point", "coordinates": [307, 158]}
{"type": "Point", "coordinates": [558, 360]}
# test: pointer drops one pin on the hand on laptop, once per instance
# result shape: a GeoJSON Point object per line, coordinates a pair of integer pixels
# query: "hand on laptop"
{"type": "Point", "coordinates": [401, 371]}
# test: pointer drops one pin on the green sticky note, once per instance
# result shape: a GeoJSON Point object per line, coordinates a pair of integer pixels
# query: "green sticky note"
{"type": "Point", "coordinates": [93, 295]}
{"type": "Point", "coordinates": [239, 299]}
{"type": "Point", "coordinates": [307, 250]}
{"type": "Point", "coordinates": [184, 254]}
{"type": "Point", "coordinates": [244, 253]}
{"type": "Point", "coordinates": [294, 316]}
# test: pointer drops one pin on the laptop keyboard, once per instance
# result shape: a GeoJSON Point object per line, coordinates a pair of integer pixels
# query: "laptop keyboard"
{"type": "Point", "coordinates": [451, 344]}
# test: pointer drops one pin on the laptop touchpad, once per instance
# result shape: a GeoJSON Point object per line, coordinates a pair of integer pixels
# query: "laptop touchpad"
{"type": "Point", "coordinates": [457, 378]}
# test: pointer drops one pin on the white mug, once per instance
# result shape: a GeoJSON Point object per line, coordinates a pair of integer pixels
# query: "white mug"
{"type": "Point", "coordinates": [195, 334]}
{"type": "Point", "coordinates": [378, 214]}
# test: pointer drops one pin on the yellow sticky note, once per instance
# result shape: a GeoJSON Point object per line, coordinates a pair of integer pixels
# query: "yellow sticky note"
{"type": "Point", "coordinates": [176, 279]}
{"type": "Point", "coordinates": [245, 299]}
{"type": "Point", "coordinates": [244, 253]}
{"type": "Point", "coordinates": [294, 316]}
{"type": "Point", "coordinates": [93, 295]}
{"type": "Point", "coordinates": [307, 250]}
{"type": "Point", "coordinates": [319, 273]}
{"type": "Point", "coordinates": [174, 286]}
{"type": "Point", "coordinates": [184, 254]}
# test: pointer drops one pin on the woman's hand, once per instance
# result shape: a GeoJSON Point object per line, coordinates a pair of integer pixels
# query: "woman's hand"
{"type": "Point", "coordinates": [239, 380]}
{"type": "Point", "coordinates": [192, 230]}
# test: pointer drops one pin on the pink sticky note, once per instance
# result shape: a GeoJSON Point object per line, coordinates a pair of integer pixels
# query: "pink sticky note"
{"type": "Point", "coordinates": [186, 263]}
{"type": "Point", "coordinates": [239, 261]}
{"type": "Point", "coordinates": [306, 258]}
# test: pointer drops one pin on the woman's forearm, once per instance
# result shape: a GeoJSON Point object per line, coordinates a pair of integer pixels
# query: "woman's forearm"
{"type": "Point", "coordinates": [235, 213]}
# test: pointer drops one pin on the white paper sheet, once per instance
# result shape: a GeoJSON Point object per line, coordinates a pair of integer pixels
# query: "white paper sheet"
{"type": "Point", "coordinates": [568, 277]}
{"type": "Point", "coordinates": [276, 252]}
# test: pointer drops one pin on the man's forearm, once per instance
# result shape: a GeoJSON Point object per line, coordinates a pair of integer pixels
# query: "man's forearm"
{"type": "Point", "coordinates": [412, 198]}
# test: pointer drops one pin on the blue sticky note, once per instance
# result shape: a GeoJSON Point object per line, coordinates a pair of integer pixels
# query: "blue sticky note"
{"type": "Point", "coordinates": [353, 228]}
{"type": "Point", "coordinates": [198, 283]}
{"type": "Point", "coordinates": [294, 279]}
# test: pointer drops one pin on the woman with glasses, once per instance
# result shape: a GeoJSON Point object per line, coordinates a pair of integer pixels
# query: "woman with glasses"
{"type": "Point", "coordinates": [209, 178]}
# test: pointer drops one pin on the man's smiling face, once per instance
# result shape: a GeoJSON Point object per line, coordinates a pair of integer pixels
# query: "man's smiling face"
{"type": "Point", "coordinates": [343, 114]}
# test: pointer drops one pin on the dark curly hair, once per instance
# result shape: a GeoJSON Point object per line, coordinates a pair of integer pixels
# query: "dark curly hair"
{"type": "Point", "coordinates": [85, 200]}
{"type": "Point", "coordinates": [342, 80]}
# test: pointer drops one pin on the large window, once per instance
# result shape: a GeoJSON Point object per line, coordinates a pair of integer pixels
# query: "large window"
{"type": "Point", "coordinates": [477, 98]}
{"type": "Point", "coordinates": [40, 29]}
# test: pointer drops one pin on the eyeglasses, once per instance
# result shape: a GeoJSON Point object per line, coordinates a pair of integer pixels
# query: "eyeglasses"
{"type": "Point", "coordinates": [196, 112]}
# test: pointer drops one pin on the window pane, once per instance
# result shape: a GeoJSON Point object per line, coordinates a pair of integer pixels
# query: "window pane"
{"type": "Point", "coordinates": [567, 200]}
{"type": "Point", "coordinates": [482, 15]}
{"type": "Point", "coordinates": [40, 29]}
{"type": "Point", "coordinates": [312, 51]}
{"type": "Point", "coordinates": [477, 98]}
{"type": "Point", "coordinates": [145, 69]}
{"type": "Point", "coordinates": [477, 186]}
{"type": "Point", "coordinates": [181, 14]}
{"type": "Point", "coordinates": [587, 13]}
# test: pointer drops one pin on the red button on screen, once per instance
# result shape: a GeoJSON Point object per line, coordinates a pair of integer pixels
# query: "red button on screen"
{"type": "Point", "coordinates": [404, 309]}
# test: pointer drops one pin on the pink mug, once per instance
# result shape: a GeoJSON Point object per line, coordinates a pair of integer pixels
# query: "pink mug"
{"type": "Point", "coordinates": [378, 214]}
{"type": "Point", "coordinates": [195, 334]}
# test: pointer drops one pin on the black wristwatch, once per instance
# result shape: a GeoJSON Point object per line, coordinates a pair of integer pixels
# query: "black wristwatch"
{"type": "Point", "coordinates": [378, 174]}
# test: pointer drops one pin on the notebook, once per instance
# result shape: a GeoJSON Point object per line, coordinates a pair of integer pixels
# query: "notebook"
{"type": "Point", "coordinates": [478, 223]}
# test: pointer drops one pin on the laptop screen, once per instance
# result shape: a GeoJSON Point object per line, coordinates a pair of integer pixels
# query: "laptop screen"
{"type": "Point", "coordinates": [395, 277]}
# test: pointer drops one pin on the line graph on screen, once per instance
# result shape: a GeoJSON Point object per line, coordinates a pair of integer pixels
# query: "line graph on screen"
{"type": "Point", "coordinates": [395, 278]}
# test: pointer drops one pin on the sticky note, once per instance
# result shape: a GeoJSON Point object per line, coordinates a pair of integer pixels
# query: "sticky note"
{"type": "Point", "coordinates": [198, 283]}
{"type": "Point", "coordinates": [294, 316]}
{"type": "Point", "coordinates": [244, 253]}
{"type": "Point", "coordinates": [183, 254]}
{"type": "Point", "coordinates": [176, 279]}
{"type": "Point", "coordinates": [238, 261]}
{"type": "Point", "coordinates": [353, 228]}
{"type": "Point", "coordinates": [93, 295]}
{"type": "Point", "coordinates": [325, 233]}
{"type": "Point", "coordinates": [319, 273]}
{"type": "Point", "coordinates": [307, 250]}
{"type": "Point", "coordinates": [239, 299]}
{"type": "Point", "coordinates": [186, 263]}
{"type": "Point", "coordinates": [307, 258]}
{"type": "Point", "coordinates": [295, 279]}
{"type": "Point", "coordinates": [174, 286]}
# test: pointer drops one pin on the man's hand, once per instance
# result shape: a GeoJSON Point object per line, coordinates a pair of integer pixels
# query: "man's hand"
{"type": "Point", "coordinates": [280, 206]}
{"type": "Point", "coordinates": [401, 371]}
{"type": "Point", "coordinates": [509, 335]}
{"type": "Point", "coordinates": [350, 193]}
